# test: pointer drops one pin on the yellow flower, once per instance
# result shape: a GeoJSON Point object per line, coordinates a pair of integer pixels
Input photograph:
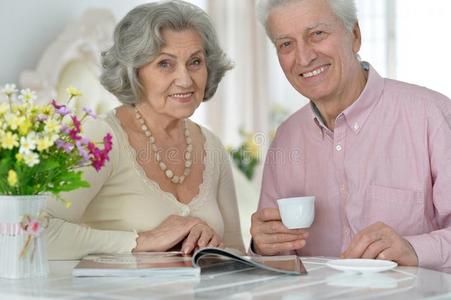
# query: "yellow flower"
{"type": "Point", "coordinates": [43, 143]}
{"type": "Point", "coordinates": [52, 125]}
{"type": "Point", "coordinates": [3, 108]}
{"type": "Point", "coordinates": [9, 140]}
{"type": "Point", "coordinates": [73, 92]}
{"type": "Point", "coordinates": [25, 127]}
{"type": "Point", "coordinates": [46, 110]}
{"type": "Point", "coordinates": [251, 147]}
{"type": "Point", "coordinates": [12, 178]}
{"type": "Point", "coordinates": [13, 121]}
{"type": "Point", "coordinates": [23, 108]}
{"type": "Point", "coordinates": [68, 204]}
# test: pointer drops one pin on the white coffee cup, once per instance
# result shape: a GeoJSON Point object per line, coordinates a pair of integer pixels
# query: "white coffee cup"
{"type": "Point", "coordinates": [297, 212]}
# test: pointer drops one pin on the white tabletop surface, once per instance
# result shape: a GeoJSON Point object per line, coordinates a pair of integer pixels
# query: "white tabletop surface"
{"type": "Point", "coordinates": [321, 282]}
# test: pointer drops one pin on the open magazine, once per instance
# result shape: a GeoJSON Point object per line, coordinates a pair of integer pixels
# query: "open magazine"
{"type": "Point", "coordinates": [147, 264]}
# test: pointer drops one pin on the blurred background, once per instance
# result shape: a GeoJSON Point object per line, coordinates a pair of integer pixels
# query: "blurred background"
{"type": "Point", "coordinates": [48, 45]}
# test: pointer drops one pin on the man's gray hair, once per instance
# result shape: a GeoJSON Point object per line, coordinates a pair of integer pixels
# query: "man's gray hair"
{"type": "Point", "coordinates": [138, 40]}
{"type": "Point", "coordinates": [345, 10]}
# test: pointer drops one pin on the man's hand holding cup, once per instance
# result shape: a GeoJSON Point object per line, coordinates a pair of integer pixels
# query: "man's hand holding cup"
{"type": "Point", "coordinates": [276, 231]}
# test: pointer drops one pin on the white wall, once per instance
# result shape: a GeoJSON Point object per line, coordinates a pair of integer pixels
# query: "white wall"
{"type": "Point", "coordinates": [27, 26]}
{"type": "Point", "coordinates": [424, 45]}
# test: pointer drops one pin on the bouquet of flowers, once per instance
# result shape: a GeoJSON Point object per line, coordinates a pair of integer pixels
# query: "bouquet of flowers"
{"type": "Point", "coordinates": [42, 147]}
{"type": "Point", "coordinates": [246, 156]}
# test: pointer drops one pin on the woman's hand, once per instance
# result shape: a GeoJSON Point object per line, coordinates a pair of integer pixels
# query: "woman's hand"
{"type": "Point", "coordinates": [168, 234]}
{"type": "Point", "coordinates": [201, 235]}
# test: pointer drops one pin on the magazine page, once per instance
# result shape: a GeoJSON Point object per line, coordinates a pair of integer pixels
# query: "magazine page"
{"type": "Point", "coordinates": [287, 264]}
{"type": "Point", "coordinates": [140, 264]}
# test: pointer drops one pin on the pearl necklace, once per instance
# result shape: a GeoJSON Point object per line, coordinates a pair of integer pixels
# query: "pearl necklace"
{"type": "Point", "coordinates": [189, 149]}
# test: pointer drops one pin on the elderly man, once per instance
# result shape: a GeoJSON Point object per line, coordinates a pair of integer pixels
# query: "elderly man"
{"type": "Point", "coordinates": [375, 152]}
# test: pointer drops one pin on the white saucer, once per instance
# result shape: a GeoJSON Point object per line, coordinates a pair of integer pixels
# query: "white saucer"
{"type": "Point", "coordinates": [362, 265]}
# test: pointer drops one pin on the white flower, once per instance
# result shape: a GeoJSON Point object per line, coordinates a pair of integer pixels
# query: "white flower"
{"type": "Point", "coordinates": [31, 159]}
{"type": "Point", "coordinates": [9, 89]}
{"type": "Point", "coordinates": [27, 144]}
{"type": "Point", "coordinates": [27, 95]}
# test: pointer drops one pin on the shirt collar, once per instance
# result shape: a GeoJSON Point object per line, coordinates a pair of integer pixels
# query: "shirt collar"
{"type": "Point", "coordinates": [357, 113]}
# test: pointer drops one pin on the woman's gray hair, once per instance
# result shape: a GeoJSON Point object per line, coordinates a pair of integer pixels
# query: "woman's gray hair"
{"type": "Point", "coordinates": [345, 10]}
{"type": "Point", "coordinates": [138, 41]}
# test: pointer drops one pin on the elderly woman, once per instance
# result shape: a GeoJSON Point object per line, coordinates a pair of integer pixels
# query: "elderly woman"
{"type": "Point", "coordinates": [168, 184]}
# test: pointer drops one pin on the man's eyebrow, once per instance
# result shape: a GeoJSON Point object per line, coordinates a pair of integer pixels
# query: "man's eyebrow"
{"type": "Point", "coordinates": [319, 25]}
{"type": "Point", "coordinates": [310, 28]}
{"type": "Point", "coordinates": [282, 37]}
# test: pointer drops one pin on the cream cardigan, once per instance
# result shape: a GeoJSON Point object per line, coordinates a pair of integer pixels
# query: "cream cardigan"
{"type": "Point", "coordinates": [122, 200]}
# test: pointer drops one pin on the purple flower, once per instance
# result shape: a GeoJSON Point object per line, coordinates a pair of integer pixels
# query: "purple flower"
{"type": "Point", "coordinates": [68, 147]}
{"type": "Point", "coordinates": [65, 128]}
{"type": "Point", "coordinates": [63, 111]}
{"type": "Point", "coordinates": [84, 141]}
{"type": "Point", "coordinates": [83, 153]}
{"type": "Point", "coordinates": [89, 112]}
{"type": "Point", "coordinates": [56, 105]}
{"type": "Point", "coordinates": [73, 133]}
{"type": "Point", "coordinates": [108, 143]}
{"type": "Point", "coordinates": [98, 156]}
{"type": "Point", "coordinates": [60, 143]}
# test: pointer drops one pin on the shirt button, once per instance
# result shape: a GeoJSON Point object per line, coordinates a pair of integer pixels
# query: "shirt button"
{"type": "Point", "coordinates": [338, 147]}
{"type": "Point", "coordinates": [356, 126]}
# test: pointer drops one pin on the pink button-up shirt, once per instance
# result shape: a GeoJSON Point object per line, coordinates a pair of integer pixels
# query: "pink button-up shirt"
{"type": "Point", "coordinates": [388, 159]}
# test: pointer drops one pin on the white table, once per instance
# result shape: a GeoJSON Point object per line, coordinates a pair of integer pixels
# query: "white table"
{"type": "Point", "coordinates": [320, 283]}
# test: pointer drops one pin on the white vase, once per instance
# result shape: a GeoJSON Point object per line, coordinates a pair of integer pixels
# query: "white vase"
{"type": "Point", "coordinates": [13, 238]}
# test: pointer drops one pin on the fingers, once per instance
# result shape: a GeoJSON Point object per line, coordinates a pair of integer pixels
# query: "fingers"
{"type": "Point", "coordinates": [205, 237]}
{"type": "Point", "coordinates": [272, 244]}
{"type": "Point", "coordinates": [375, 249]}
{"type": "Point", "coordinates": [386, 254]}
{"type": "Point", "coordinates": [363, 240]}
{"type": "Point", "coordinates": [271, 237]}
{"type": "Point", "coordinates": [401, 252]}
{"type": "Point", "coordinates": [276, 248]}
{"type": "Point", "coordinates": [381, 242]}
{"type": "Point", "coordinates": [283, 238]}
{"type": "Point", "coordinates": [214, 242]}
{"type": "Point", "coordinates": [278, 227]}
{"type": "Point", "coordinates": [274, 227]}
{"type": "Point", "coordinates": [191, 240]}
{"type": "Point", "coordinates": [200, 236]}
{"type": "Point", "coordinates": [266, 214]}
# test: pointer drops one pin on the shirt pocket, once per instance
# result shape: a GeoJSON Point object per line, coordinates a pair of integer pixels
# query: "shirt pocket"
{"type": "Point", "coordinates": [401, 209]}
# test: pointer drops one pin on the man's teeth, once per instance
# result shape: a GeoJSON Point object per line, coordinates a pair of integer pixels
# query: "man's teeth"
{"type": "Point", "coordinates": [184, 95]}
{"type": "Point", "coordinates": [314, 72]}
